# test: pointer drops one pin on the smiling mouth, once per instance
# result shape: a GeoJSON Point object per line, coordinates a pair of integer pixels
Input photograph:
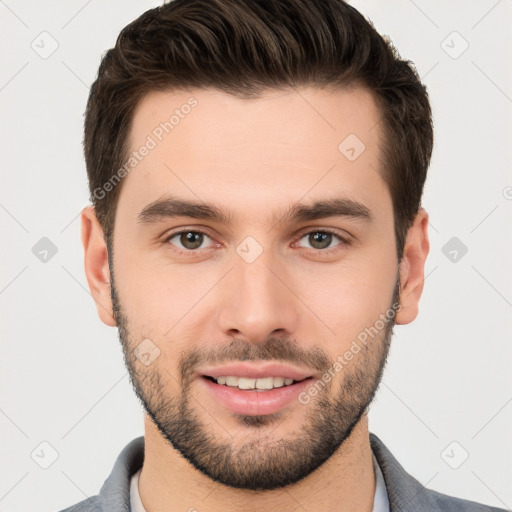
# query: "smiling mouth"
{"type": "Point", "coordinates": [253, 384]}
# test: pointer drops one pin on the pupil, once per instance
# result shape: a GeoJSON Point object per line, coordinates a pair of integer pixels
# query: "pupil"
{"type": "Point", "coordinates": [191, 240]}
{"type": "Point", "coordinates": [320, 238]}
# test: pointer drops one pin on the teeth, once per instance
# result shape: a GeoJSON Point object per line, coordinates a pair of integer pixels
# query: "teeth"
{"type": "Point", "coordinates": [246, 383]}
{"type": "Point", "coordinates": [278, 382]}
{"type": "Point", "coordinates": [231, 381]}
{"type": "Point", "coordinates": [266, 383]}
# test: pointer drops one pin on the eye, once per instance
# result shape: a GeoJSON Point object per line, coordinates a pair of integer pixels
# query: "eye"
{"type": "Point", "coordinates": [322, 239]}
{"type": "Point", "coordinates": [189, 240]}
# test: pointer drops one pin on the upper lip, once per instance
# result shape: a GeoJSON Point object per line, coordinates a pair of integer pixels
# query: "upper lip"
{"type": "Point", "coordinates": [255, 371]}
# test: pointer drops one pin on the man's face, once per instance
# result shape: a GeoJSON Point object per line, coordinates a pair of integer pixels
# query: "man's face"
{"type": "Point", "coordinates": [258, 294]}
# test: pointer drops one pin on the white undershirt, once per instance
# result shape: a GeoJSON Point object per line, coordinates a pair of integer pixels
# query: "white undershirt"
{"type": "Point", "coordinates": [380, 501]}
{"type": "Point", "coordinates": [135, 501]}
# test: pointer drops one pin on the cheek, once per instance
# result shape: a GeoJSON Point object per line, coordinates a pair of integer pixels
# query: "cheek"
{"type": "Point", "coordinates": [160, 301]}
{"type": "Point", "coordinates": [350, 297]}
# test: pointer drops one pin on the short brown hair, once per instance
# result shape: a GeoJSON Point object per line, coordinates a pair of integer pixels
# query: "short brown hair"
{"type": "Point", "coordinates": [245, 47]}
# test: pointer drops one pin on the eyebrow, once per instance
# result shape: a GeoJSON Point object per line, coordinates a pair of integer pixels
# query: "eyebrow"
{"type": "Point", "coordinates": [170, 207]}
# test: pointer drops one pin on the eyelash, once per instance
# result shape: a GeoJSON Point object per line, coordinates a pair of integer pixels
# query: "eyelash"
{"type": "Point", "coordinates": [343, 240]}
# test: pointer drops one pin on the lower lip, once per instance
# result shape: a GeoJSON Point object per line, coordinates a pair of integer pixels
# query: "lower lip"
{"type": "Point", "coordinates": [255, 403]}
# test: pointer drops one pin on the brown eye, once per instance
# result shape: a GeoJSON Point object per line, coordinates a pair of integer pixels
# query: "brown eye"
{"type": "Point", "coordinates": [322, 240]}
{"type": "Point", "coordinates": [188, 240]}
{"type": "Point", "coordinates": [191, 240]}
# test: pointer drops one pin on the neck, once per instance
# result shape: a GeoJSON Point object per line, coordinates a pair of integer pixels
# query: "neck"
{"type": "Point", "coordinates": [345, 482]}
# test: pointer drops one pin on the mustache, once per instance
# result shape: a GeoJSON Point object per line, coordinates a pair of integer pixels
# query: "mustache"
{"type": "Point", "coordinates": [273, 349]}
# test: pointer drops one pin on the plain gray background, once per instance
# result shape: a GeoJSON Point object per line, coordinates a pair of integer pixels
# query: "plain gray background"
{"type": "Point", "coordinates": [446, 393]}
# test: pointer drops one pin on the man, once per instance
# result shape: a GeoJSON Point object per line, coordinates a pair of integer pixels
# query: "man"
{"type": "Point", "coordinates": [256, 170]}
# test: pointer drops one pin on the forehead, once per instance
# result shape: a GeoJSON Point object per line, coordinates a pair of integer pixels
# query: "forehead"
{"type": "Point", "coordinates": [275, 149]}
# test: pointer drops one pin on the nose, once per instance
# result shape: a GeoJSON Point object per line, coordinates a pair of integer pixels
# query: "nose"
{"type": "Point", "coordinates": [258, 301]}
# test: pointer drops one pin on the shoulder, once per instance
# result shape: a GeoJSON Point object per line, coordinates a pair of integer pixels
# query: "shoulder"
{"type": "Point", "coordinates": [406, 493]}
{"type": "Point", "coordinates": [452, 504]}
{"type": "Point", "coordinates": [114, 495]}
{"type": "Point", "coordinates": [89, 505]}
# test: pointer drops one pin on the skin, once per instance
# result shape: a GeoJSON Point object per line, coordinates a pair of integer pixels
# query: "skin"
{"type": "Point", "coordinates": [254, 158]}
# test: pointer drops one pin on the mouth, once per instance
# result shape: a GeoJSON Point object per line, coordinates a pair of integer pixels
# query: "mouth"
{"type": "Point", "coordinates": [254, 390]}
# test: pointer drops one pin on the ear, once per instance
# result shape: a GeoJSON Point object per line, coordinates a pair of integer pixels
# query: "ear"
{"type": "Point", "coordinates": [96, 265]}
{"type": "Point", "coordinates": [412, 268]}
